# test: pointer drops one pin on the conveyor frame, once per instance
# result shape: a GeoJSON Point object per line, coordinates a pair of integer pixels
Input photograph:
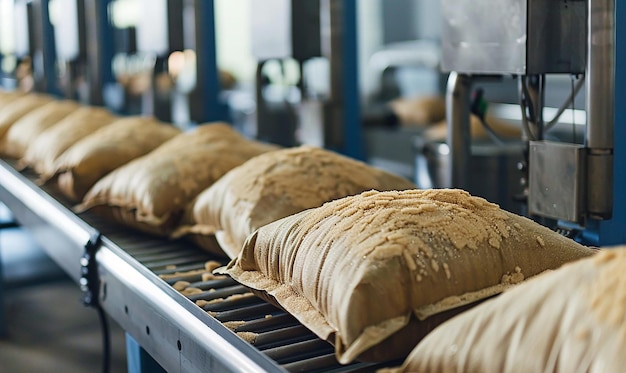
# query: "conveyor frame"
{"type": "Point", "coordinates": [180, 336]}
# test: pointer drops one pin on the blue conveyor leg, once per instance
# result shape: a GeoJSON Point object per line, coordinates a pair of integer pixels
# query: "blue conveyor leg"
{"type": "Point", "coordinates": [353, 132]}
{"type": "Point", "coordinates": [3, 325]}
{"type": "Point", "coordinates": [613, 232]}
{"type": "Point", "coordinates": [139, 361]}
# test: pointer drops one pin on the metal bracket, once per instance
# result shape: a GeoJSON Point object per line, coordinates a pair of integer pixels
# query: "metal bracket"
{"type": "Point", "coordinates": [89, 280]}
{"type": "Point", "coordinates": [557, 186]}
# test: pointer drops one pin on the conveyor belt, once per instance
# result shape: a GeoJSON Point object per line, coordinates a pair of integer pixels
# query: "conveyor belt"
{"type": "Point", "coordinates": [137, 274]}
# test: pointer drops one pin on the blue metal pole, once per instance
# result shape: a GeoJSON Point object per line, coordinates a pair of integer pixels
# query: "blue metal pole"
{"type": "Point", "coordinates": [100, 50]}
{"type": "Point", "coordinates": [3, 323]}
{"type": "Point", "coordinates": [48, 51]}
{"type": "Point", "coordinates": [139, 361]}
{"type": "Point", "coordinates": [353, 136]}
{"type": "Point", "coordinates": [613, 231]}
{"type": "Point", "coordinates": [4, 224]}
{"type": "Point", "coordinates": [105, 42]}
{"type": "Point", "coordinates": [207, 71]}
{"type": "Point", "coordinates": [1, 71]}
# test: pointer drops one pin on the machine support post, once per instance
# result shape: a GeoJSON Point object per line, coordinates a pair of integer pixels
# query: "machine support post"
{"type": "Point", "coordinates": [2, 74]}
{"type": "Point", "coordinates": [458, 137]}
{"type": "Point", "coordinates": [353, 144]}
{"type": "Point", "coordinates": [48, 50]}
{"type": "Point", "coordinates": [100, 53]}
{"type": "Point", "coordinates": [45, 50]}
{"type": "Point", "coordinates": [3, 324]}
{"type": "Point", "coordinates": [600, 76]}
{"type": "Point", "coordinates": [208, 87]}
{"type": "Point", "coordinates": [600, 84]}
{"type": "Point", "coordinates": [339, 44]}
{"type": "Point", "coordinates": [139, 361]}
{"type": "Point", "coordinates": [613, 231]}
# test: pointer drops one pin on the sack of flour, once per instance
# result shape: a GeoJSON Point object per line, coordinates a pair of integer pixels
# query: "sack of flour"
{"type": "Point", "coordinates": [26, 129]}
{"type": "Point", "coordinates": [569, 320]}
{"type": "Point", "coordinates": [106, 149]}
{"type": "Point", "coordinates": [42, 153]}
{"type": "Point", "coordinates": [275, 185]}
{"type": "Point", "coordinates": [374, 273]}
{"type": "Point", "coordinates": [151, 192]}
{"type": "Point", "coordinates": [17, 109]}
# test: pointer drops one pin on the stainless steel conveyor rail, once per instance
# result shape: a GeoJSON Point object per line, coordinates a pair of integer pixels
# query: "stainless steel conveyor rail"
{"type": "Point", "coordinates": [180, 335]}
{"type": "Point", "coordinates": [182, 338]}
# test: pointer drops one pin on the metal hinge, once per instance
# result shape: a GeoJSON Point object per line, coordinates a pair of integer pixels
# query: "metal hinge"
{"type": "Point", "coordinates": [89, 279]}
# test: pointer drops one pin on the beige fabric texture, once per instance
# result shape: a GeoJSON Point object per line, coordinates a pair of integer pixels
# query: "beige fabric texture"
{"type": "Point", "coordinates": [17, 109]}
{"type": "Point", "coordinates": [26, 130]}
{"type": "Point", "coordinates": [7, 98]}
{"type": "Point", "coordinates": [106, 149]}
{"type": "Point", "coordinates": [51, 143]}
{"type": "Point", "coordinates": [151, 192]}
{"type": "Point", "coordinates": [569, 320]}
{"type": "Point", "coordinates": [419, 111]}
{"type": "Point", "coordinates": [501, 127]}
{"type": "Point", "coordinates": [363, 271]}
{"type": "Point", "coordinates": [275, 185]}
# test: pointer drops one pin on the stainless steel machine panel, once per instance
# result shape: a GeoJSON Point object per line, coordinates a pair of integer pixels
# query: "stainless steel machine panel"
{"type": "Point", "coordinates": [514, 36]}
{"type": "Point", "coordinates": [556, 181]}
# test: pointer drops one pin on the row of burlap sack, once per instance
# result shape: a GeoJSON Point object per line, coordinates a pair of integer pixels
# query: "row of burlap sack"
{"type": "Point", "coordinates": [354, 253]}
{"type": "Point", "coordinates": [136, 170]}
{"type": "Point", "coordinates": [144, 173]}
{"type": "Point", "coordinates": [77, 146]}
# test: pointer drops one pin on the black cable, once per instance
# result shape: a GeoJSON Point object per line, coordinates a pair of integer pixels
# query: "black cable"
{"type": "Point", "coordinates": [106, 340]}
{"type": "Point", "coordinates": [524, 104]}
{"type": "Point", "coordinates": [90, 285]}
{"type": "Point", "coordinates": [528, 101]}
{"type": "Point", "coordinates": [569, 101]}
{"type": "Point", "coordinates": [491, 133]}
{"type": "Point", "coordinates": [478, 107]}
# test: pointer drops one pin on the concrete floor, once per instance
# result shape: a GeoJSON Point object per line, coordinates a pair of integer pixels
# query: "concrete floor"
{"type": "Point", "coordinates": [48, 328]}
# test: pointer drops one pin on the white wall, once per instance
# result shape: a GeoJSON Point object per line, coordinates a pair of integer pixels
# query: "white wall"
{"type": "Point", "coordinates": [234, 52]}
{"type": "Point", "coordinates": [370, 39]}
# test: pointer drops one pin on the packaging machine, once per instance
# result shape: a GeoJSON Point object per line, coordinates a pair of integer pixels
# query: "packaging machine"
{"type": "Point", "coordinates": [576, 184]}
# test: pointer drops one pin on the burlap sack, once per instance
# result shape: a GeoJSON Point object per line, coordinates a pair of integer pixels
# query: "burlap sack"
{"type": "Point", "coordinates": [419, 111]}
{"type": "Point", "coordinates": [569, 320]}
{"type": "Point", "coordinates": [17, 109]}
{"type": "Point", "coordinates": [373, 273]}
{"type": "Point", "coordinates": [25, 130]}
{"type": "Point", "coordinates": [8, 97]}
{"type": "Point", "coordinates": [51, 143]}
{"type": "Point", "coordinates": [106, 149]}
{"type": "Point", "coordinates": [151, 192]}
{"type": "Point", "coordinates": [501, 127]}
{"type": "Point", "coordinates": [278, 184]}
